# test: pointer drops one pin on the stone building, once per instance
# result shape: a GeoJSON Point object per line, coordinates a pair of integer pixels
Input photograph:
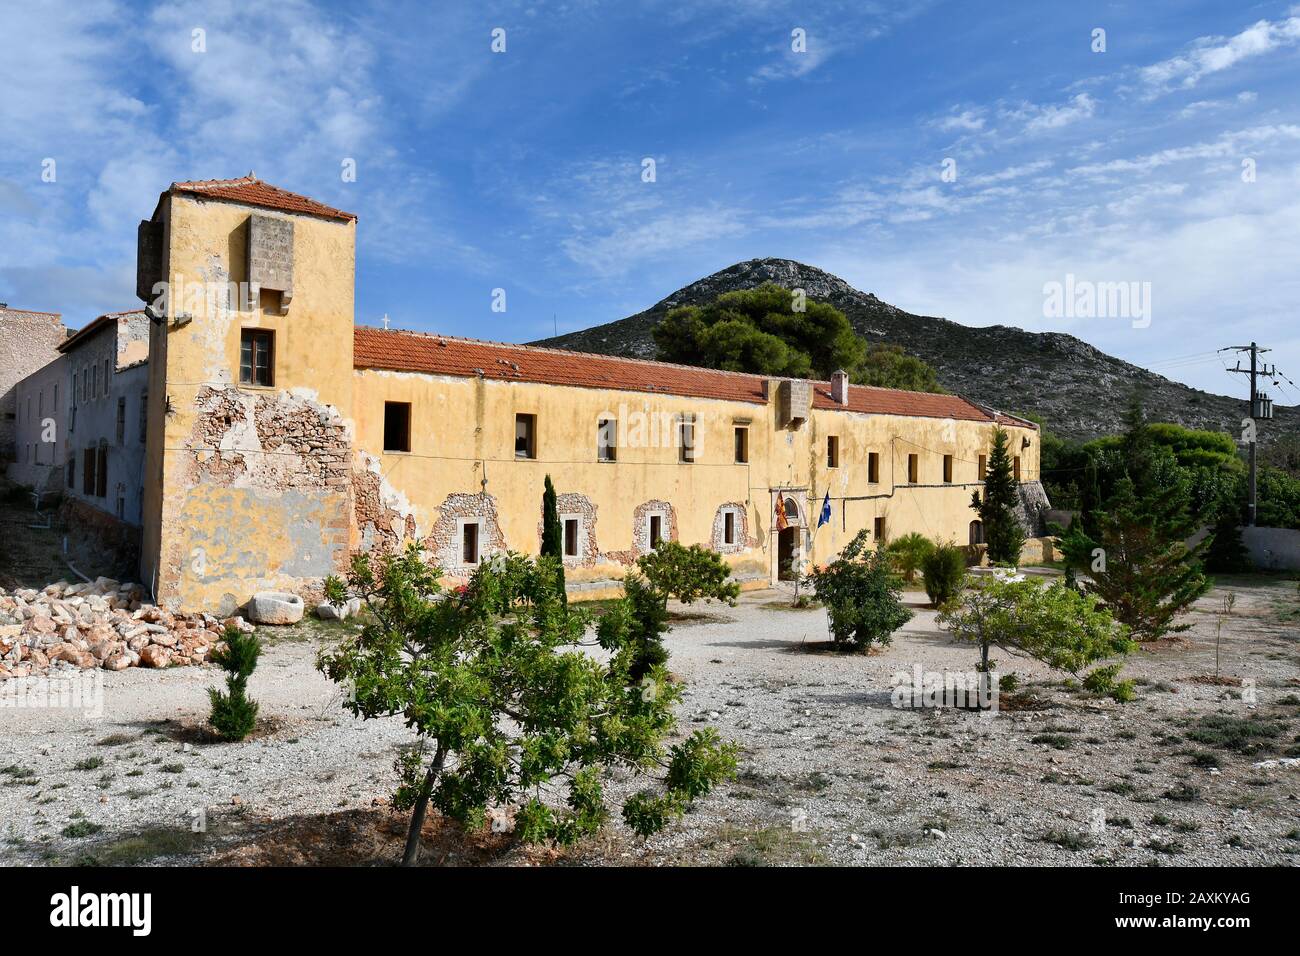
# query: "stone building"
{"type": "Point", "coordinates": [245, 435]}
{"type": "Point", "coordinates": [28, 342]}
{"type": "Point", "coordinates": [282, 438]}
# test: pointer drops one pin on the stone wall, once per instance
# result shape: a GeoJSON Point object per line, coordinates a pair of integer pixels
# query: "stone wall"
{"type": "Point", "coordinates": [27, 343]}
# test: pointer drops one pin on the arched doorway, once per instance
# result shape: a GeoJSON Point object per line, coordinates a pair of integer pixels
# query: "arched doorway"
{"type": "Point", "coordinates": [977, 532]}
{"type": "Point", "coordinates": [787, 543]}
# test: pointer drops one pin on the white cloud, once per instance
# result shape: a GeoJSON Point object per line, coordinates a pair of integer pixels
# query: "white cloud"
{"type": "Point", "coordinates": [967, 120]}
{"type": "Point", "coordinates": [1210, 55]}
{"type": "Point", "coordinates": [1038, 119]}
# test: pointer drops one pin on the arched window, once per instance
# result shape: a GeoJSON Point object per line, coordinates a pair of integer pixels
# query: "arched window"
{"type": "Point", "coordinates": [791, 511]}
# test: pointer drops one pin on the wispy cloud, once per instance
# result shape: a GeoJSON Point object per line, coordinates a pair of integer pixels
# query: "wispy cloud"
{"type": "Point", "coordinates": [1209, 55]}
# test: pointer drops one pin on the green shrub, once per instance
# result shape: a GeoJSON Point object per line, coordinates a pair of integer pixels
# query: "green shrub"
{"type": "Point", "coordinates": [234, 714]}
{"type": "Point", "coordinates": [909, 553]}
{"type": "Point", "coordinates": [944, 568]}
{"type": "Point", "coordinates": [861, 595]}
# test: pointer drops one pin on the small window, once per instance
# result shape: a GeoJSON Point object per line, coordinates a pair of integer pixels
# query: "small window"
{"type": "Point", "coordinates": [742, 445]}
{"type": "Point", "coordinates": [656, 530]}
{"type": "Point", "coordinates": [101, 473]}
{"type": "Point", "coordinates": [106, 377]}
{"type": "Point", "coordinates": [913, 468]}
{"type": "Point", "coordinates": [94, 380]}
{"type": "Point", "coordinates": [686, 443]}
{"type": "Point", "coordinates": [832, 451]}
{"type": "Point", "coordinates": [525, 436]}
{"type": "Point", "coordinates": [397, 426]}
{"type": "Point", "coordinates": [1015, 467]}
{"type": "Point", "coordinates": [947, 469]}
{"type": "Point", "coordinates": [256, 352]}
{"type": "Point", "coordinates": [88, 472]}
{"type": "Point", "coordinates": [571, 546]}
{"type": "Point", "coordinates": [983, 466]}
{"type": "Point", "coordinates": [607, 439]}
{"type": "Point", "coordinates": [469, 543]}
{"type": "Point", "coordinates": [121, 419]}
{"type": "Point", "coordinates": [873, 467]}
{"type": "Point", "coordinates": [144, 415]}
{"type": "Point", "coordinates": [879, 530]}
{"type": "Point", "coordinates": [85, 384]}
{"type": "Point", "coordinates": [728, 527]}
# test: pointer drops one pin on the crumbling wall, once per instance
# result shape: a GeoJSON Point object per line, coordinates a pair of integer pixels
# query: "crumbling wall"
{"type": "Point", "coordinates": [641, 530]}
{"type": "Point", "coordinates": [383, 520]}
{"type": "Point", "coordinates": [573, 503]}
{"type": "Point", "coordinates": [443, 543]}
{"type": "Point", "coordinates": [743, 540]}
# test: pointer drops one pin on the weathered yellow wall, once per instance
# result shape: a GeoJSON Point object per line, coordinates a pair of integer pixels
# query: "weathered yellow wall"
{"type": "Point", "coordinates": [462, 442]}
{"type": "Point", "coordinates": [244, 501]}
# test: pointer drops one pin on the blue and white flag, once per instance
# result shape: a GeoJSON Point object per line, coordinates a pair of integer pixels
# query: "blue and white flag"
{"type": "Point", "coordinates": [825, 516]}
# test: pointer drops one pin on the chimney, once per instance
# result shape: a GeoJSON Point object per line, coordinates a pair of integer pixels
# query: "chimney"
{"type": "Point", "coordinates": [840, 387]}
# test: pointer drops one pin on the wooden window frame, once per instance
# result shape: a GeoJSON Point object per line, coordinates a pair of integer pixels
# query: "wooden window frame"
{"type": "Point", "coordinates": [249, 338]}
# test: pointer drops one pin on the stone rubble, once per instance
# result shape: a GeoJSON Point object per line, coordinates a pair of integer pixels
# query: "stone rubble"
{"type": "Point", "coordinates": [101, 624]}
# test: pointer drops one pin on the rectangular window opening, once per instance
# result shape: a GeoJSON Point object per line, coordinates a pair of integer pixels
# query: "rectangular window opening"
{"type": "Point", "coordinates": [607, 439]}
{"type": "Point", "coordinates": [656, 530]}
{"type": "Point", "coordinates": [1015, 467]}
{"type": "Point", "coordinates": [742, 446]}
{"type": "Point", "coordinates": [571, 547]}
{"type": "Point", "coordinates": [397, 426]}
{"type": "Point", "coordinates": [469, 543]}
{"type": "Point", "coordinates": [728, 527]}
{"type": "Point", "coordinates": [256, 353]}
{"type": "Point", "coordinates": [913, 469]}
{"type": "Point", "coordinates": [832, 451]}
{"type": "Point", "coordinates": [879, 530]}
{"type": "Point", "coordinates": [947, 469]}
{"type": "Point", "coordinates": [873, 467]}
{"type": "Point", "coordinates": [686, 434]}
{"type": "Point", "coordinates": [983, 466]}
{"type": "Point", "coordinates": [525, 436]}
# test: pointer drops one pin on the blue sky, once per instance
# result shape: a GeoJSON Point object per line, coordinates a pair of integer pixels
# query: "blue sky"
{"type": "Point", "coordinates": [522, 170]}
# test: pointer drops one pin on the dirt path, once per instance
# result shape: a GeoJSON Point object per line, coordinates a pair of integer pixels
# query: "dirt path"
{"type": "Point", "coordinates": [831, 771]}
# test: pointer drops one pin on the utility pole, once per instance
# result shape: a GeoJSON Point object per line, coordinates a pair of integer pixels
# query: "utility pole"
{"type": "Point", "coordinates": [1261, 409]}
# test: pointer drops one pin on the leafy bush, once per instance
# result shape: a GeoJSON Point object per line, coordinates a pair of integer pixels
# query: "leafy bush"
{"type": "Point", "coordinates": [944, 569]}
{"type": "Point", "coordinates": [506, 703]}
{"type": "Point", "coordinates": [908, 553]}
{"type": "Point", "coordinates": [234, 714]}
{"type": "Point", "coordinates": [688, 574]}
{"type": "Point", "coordinates": [861, 595]}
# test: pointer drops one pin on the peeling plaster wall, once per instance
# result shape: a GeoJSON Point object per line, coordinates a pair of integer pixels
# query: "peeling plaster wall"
{"type": "Point", "coordinates": [253, 485]}
{"type": "Point", "coordinates": [462, 444]}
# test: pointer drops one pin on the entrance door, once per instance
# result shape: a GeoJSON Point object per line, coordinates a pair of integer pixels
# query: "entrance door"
{"type": "Point", "coordinates": [785, 553]}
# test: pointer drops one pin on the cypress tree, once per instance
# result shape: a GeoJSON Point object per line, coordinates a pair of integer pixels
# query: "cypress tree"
{"type": "Point", "coordinates": [997, 507]}
{"type": "Point", "coordinates": [553, 536]}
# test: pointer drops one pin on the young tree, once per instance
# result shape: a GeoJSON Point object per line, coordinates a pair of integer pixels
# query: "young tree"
{"type": "Point", "coordinates": [1136, 561]}
{"type": "Point", "coordinates": [862, 596]}
{"type": "Point", "coordinates": [1055, 624]}
{"type": "Point", "coordinates": [234, 714]}
{"type": "Point", "coordinates": [670, 571]}
{"type": "Point", "coordinates": [506, 703]}
{"type": "Point", "coordinates": [997, 506]}
{"type": "Point", "coordinates": [553, 536]}
{"type": "Point", "coordinates": [908, 552]}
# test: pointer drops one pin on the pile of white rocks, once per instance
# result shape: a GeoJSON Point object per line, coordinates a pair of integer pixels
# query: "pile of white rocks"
{"type": "Point", "coordinates": [99, 624]}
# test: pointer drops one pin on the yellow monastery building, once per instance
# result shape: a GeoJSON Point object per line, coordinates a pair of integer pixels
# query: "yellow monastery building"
{"type": "Point", "coordinates": [281, 437]}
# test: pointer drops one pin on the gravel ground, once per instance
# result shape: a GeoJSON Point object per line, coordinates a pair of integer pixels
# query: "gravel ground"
{"type": "Point", "coordinates": [831, 772]}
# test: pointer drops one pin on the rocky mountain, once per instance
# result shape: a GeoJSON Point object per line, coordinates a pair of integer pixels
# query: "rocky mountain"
{"type": "Point", "coordinates": [1079, 391]}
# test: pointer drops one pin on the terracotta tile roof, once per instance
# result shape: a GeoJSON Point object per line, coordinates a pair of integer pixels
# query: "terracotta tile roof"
{"type": "Point", "coordinates": [402, 351]}
{"type": "Point", "coordinates": [251, 191]}
{"type": "Point", "coordinates": [28, 311]}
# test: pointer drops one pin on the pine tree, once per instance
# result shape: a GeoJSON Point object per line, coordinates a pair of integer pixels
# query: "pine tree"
{"type": "Point", "coordinates": [1137, 562]}
{"type": "Point", "coordinates": [553, 536]}
{"type": "Point", "coordinates": [997, 507]}
{"type": "Point", "coordinates": [234, 714]}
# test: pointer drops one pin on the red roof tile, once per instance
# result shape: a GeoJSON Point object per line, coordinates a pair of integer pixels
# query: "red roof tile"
{"type": "Point", "coordinates": [251, 191]}
{"type": "Point", "coordinates": [402, 351]}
